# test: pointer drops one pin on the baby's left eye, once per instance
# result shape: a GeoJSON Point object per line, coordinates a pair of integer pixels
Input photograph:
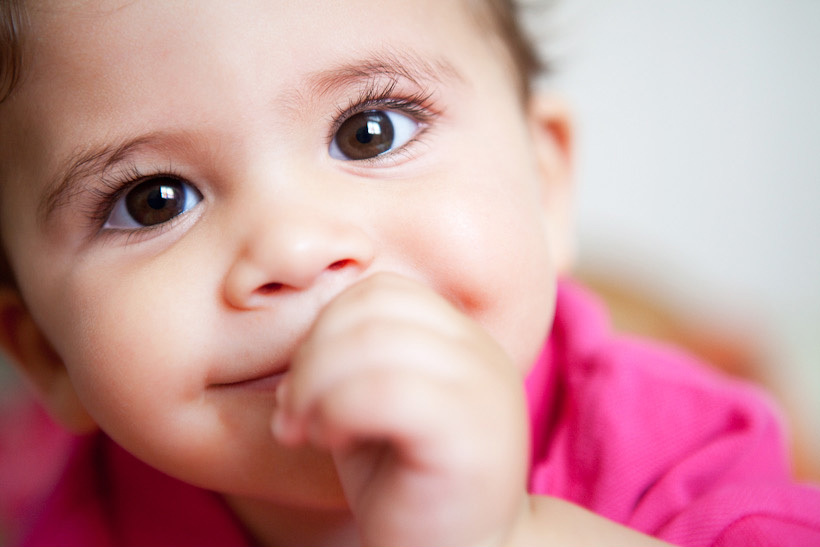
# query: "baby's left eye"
{"type": "Point", "coordinates": [370, 133]}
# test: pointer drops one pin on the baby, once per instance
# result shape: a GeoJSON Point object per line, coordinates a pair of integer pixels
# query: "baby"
{"type": "Point", "coordinates": [292, 268]}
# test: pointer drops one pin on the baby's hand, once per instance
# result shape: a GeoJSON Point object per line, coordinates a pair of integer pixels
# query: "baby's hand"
{"type": "Point", "coordinates": [422, 411]}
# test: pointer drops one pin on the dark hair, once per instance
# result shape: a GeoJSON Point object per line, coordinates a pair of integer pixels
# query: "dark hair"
{"type": "Point", "coordinates": [505, 18]}
{"type": "Point", "coordinates": [11, 51]}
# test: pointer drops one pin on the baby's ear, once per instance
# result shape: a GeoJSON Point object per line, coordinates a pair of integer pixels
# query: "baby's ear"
{"type": "Point", "coordinates": [551, 130]}
{"type": "Point", "coordinates": [31, 353]}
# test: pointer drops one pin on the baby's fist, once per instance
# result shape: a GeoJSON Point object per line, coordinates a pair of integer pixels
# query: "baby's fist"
{"type": "Point", "coordinates": [422, 410]}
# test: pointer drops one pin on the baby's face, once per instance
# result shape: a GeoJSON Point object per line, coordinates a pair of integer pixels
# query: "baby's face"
{"type": "Point", "coordinates": [188, 186]}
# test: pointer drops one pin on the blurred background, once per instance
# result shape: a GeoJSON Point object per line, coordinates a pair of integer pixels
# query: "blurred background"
{"type": "Point", "coordinates": [698, 179]}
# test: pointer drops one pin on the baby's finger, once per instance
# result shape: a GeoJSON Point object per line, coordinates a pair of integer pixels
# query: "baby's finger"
{"type": "Point", "coordinates": [388, 296]}
{"type": "Point", "coordinates": [396, 435]}
{"type": "Point", "coordinates": [367, 348]}
{"type": "Point", "coordinates": [401, 407]}
{"type": "Point", "coordinates": [362, 387]}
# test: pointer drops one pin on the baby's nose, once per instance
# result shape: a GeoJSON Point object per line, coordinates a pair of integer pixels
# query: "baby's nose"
{"type": "Point", "coordinates": [293, 253]}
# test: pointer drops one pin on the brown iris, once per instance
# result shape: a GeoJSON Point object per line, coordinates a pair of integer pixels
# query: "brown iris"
{"type": "Point", "coordinates": [156, 201]}
{"type": "Point", "coordinates": [365, 135]}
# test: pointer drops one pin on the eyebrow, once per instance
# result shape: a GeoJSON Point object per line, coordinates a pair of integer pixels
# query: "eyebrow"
{"type": "Point", "coordinates": [86, 163]}
{"type": "Point", "coordinates": [391, 64]}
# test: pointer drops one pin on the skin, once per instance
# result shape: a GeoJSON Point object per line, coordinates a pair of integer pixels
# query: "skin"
{"type": "Point", "coordinates": [419, 283]}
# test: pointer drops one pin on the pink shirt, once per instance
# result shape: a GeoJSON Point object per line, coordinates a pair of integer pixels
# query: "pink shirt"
{"type": "Point", "coordinates": [638, 433]}
{"type": "Point", "coordinates": [650, 438]}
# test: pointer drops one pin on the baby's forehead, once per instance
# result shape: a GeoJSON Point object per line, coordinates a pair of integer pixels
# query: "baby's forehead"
{"type": "Point", "coordinates": [110, 38]}
{"type": "Point", "coordinates": [62, 23]}
{"type": "Point", "coordinates": [59, 26]}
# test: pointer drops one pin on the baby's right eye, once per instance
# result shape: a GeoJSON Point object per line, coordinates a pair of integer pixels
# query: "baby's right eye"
{"type": "Point", "coordinates": [154, 201]}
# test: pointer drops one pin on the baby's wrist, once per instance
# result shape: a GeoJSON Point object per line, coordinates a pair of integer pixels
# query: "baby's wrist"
{"type": "Point", "coordinates": [547, 520]}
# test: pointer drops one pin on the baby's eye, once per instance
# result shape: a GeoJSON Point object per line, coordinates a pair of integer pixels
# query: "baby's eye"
{"type": "Point", "coordinates": [154, 201]}
{"type": "Point", "coordinates": [367, 134]}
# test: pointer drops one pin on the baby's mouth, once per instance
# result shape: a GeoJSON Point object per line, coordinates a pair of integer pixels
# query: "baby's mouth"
{"type": "Point", "coordinates": [266, 381]}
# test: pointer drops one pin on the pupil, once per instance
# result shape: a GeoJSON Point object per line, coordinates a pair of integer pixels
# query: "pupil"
{"type": "Point", "coordinates": [160, 196]}
{"type": "Point", "coordinates": [363, 135]}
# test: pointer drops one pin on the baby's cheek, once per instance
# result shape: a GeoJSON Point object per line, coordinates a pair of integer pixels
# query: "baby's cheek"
{"type": "Point", "coordinates": [136, 389]}
{"type": "Point", "coordinates": [127, 354]}
{"type": "Point", "coordinates": [512, 287]}
{"type": "Point", "coordinates": [516, 310]}
{"type": "Point", "coordinates": [117, 375]}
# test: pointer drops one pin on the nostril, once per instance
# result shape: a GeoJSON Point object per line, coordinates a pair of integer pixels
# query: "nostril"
{"type": "Point", "coordinates": [269, 288]}
{"type": "Point", "coordinates": [276, 287]}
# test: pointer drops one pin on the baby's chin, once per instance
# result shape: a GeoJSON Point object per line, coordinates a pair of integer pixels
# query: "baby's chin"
{"type": "Point", "coordinates": [237, 455]}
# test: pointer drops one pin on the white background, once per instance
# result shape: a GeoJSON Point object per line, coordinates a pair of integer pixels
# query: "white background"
{"type": "Point", "coordinates": [698, 170]}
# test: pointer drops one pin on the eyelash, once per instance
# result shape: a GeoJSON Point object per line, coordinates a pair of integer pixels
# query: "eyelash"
{"type": "Point", "coordinates": [419, 106]}
{"type": "Point", "coordinates": [115, 186]}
